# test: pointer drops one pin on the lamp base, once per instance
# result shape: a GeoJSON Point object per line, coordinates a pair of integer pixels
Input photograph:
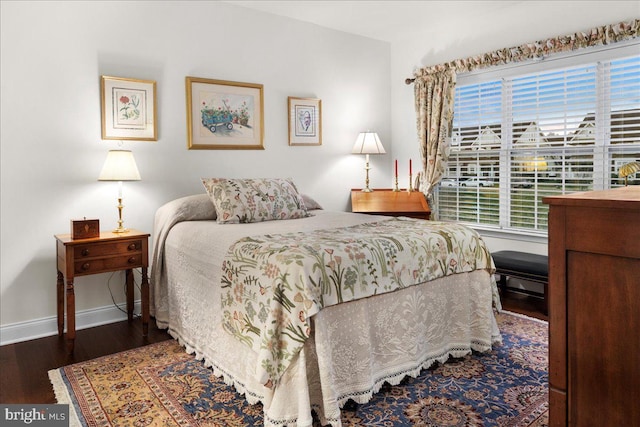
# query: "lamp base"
{"type": "Point", "coordinates": [120, 228]}
{"type": "Point", "coordinates": [366, 188]}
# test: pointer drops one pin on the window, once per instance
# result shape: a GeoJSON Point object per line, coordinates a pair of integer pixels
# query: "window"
{"type": "Point", "coordinates": [544, 129]}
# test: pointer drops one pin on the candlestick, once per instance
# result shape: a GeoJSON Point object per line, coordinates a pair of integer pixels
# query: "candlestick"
{"type": "Point", "coordinates": [410, 187]}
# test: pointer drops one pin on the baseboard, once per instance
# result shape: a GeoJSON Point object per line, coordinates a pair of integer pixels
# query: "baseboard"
{"type": "Point", "coordinates": [48, 326]}
{"type": "Point", "coordinates": [525, 286]}
{"type": "Point", "coordinates": [525, 291]}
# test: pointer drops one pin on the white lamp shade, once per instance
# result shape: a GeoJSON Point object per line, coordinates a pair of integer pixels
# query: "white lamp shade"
{"type": "Point", "coordinates": [629, 169]}
{"type": "Point", "coordinates": [368, 143]}
{"type": "Point", "coordinates": [119, 166]}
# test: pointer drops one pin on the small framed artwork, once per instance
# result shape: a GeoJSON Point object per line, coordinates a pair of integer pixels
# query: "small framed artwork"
{"type": "Point", "coordinates": [128, 109]}
{"type": "Point", "coordinates": [305, 121]}
{"type": "Point", "coordinates": [224, 115]}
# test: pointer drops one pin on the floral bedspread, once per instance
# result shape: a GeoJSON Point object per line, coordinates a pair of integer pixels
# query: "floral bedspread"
{"type": "Point", "coordinates": [273, 284]}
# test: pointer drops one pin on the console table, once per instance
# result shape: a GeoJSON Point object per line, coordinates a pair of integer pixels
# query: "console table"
{"type": "Point", "coordinates": [388, 202]}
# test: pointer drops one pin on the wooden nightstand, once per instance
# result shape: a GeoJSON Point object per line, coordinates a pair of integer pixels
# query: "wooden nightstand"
{"type": "Point", "coordinates": [109, 252]}
{"type": "Point", "coordinates": [388, 202]}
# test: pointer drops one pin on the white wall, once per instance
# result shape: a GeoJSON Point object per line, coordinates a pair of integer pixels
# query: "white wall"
{"type": "Point", "coordinates": [53, 54]}
{"type": "Point", "coordinates": [523, 22]}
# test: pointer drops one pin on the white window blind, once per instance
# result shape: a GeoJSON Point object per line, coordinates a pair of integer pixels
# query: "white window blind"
{"type": "Point", "coordinates": [527, 135]}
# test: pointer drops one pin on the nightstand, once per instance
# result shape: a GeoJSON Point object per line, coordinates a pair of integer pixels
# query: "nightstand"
{"type": "Point", "coordinates": [109, 252]}
{"type": "Point", "coordinates": [388, 202]}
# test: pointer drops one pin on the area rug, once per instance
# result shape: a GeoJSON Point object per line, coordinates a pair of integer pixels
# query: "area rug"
{"type": "Point", "coordinates": [161, 385]}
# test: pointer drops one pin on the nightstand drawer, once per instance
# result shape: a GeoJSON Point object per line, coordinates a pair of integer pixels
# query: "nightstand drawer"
{"type": "Point", "coordinates": [103, 249]}
{"type": "Point", "coordinates": [107, 264]}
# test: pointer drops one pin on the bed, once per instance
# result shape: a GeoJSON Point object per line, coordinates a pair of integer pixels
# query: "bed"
{"type": "Point", "coordinates": [344, 350]}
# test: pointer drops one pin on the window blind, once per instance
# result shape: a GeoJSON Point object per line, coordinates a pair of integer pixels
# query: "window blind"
{"type": "Point", "coordinates": [524, 136]}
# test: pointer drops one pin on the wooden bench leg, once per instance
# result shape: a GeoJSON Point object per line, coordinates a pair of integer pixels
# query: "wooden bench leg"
{"type": "Point", "coordinates": [502, 283]}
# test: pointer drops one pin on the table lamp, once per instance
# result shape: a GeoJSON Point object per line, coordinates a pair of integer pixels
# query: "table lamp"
{"type": "Point", "coordinates": [119, 166]}
{"type": "Point", "coordinates": [628, 169]}
{"type": "Point", "coordinates": [368, 143]}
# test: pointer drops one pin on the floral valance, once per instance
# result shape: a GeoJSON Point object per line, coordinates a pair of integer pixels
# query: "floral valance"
{"type": "Point", "coordinates": [598, 36]}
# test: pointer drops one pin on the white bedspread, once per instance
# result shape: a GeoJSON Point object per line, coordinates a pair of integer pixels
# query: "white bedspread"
{"type": "Point", "coordinates": [355, 347]}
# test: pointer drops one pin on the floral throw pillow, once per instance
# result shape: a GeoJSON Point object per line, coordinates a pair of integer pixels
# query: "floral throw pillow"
{"type": "Point", "coordinates": [254, 200]}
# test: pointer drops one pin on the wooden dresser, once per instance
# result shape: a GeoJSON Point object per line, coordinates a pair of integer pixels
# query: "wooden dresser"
{"type": "Point", "coordinates": [594, 308]}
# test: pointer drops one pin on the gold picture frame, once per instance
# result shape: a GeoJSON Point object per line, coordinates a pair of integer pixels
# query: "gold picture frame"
{"type": "Point", "coordinates": [305, 121]}
{"type": "Point", "coordinates": [128, 109]}
{"type": "Point", "coordinates": [224, 115]}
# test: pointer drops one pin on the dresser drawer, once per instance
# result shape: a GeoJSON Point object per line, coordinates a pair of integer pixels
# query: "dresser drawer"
{"type": "Point", "coordinates": [91, 266]}
{"type": "Point", "coordinates": [102, 249]}
{"type": "Point", "coordinates": [603, 231]}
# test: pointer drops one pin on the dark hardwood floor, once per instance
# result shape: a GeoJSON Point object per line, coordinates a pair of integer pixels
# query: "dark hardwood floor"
{"type": "Point", "coordinates": [24, 366]}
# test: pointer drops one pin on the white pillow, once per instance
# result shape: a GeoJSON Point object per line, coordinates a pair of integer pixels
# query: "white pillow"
{"type": "Point", "coordinates": [310, 203]}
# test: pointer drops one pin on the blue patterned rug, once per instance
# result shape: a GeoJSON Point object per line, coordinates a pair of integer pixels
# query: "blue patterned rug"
{"type": "Point", "coordinates": [162, 385]}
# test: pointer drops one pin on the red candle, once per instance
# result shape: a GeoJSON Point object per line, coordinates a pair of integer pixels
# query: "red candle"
{"type": "Point", "coordinates": [396, 168]}
{"type": "Point", "coordinates": [410, 173]}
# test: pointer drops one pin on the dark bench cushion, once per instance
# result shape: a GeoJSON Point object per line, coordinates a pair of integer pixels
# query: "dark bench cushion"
{"type": "Point", "coordinates": [523, 265]}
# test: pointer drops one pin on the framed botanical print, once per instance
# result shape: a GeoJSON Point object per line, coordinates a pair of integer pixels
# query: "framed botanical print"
{"type": "Point", "coordinates": [224, 115]}
{"type": "Point", "coordinates": [128, 109]}
{"type": "Point", "coordinates": [305, 121]}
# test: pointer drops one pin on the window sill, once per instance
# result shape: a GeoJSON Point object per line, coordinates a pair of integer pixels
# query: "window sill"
{"type": "Point", "coordinates": [523, 236]}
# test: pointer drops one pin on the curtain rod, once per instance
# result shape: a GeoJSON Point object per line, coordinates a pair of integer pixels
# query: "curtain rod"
{"type": "Point", "coordinates": [559, 56]}
{"type": "Point", "coordinates": [599, 36]}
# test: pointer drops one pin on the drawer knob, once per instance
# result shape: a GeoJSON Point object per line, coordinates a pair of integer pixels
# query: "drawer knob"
{"type": "Point", "coordinates": [132, 247]}
{"type": "Point", "coordinates": [132, 260]}
{"type": "Point", "coordinates": [85, 252]}
{"type": "Point", "coordinates": [85, 266]}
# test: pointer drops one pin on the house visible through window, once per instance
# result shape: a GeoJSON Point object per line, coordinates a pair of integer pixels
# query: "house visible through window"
{"type": "Point", "coordinates": [521, 135]}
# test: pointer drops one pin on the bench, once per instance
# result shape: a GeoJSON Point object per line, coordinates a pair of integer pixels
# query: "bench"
{"type": "Point", "coordinates": [522, 265]}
